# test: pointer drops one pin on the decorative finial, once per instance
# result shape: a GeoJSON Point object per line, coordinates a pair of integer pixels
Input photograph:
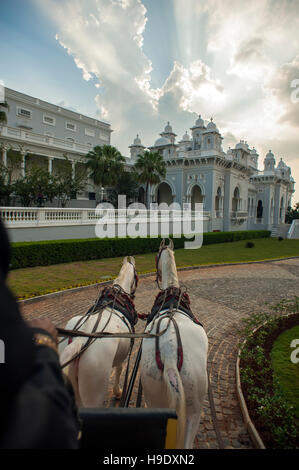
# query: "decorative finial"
{"type": "Point", "coordinates": [211, 119]}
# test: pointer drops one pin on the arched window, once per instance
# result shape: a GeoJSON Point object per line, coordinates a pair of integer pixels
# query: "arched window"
{"type": "Point", "coordinates": [281, 208]}
{"type": "Point", "coordinates": [236, 200]}
{"type": "Point", "coordinates": [218, 199]}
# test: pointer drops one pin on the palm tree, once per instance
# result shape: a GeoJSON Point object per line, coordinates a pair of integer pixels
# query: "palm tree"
{"type": "Point", "coordinates": [150, 168]}
{"type": "Point", "coordinates": [106, 164]}
{"type": "Point", "coordinates": [3, 117]}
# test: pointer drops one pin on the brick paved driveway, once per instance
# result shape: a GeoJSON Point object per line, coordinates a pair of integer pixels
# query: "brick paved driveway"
{"type": "Point", "coordinates": [220, 297]}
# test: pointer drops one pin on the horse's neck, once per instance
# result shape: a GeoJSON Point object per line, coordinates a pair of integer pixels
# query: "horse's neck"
{"type": "Point", "coordinates": [125, 278]}
{"type": "Point", "coordinates": [169, 271]}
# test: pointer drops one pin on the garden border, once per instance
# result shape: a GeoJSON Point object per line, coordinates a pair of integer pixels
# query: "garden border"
{"type": "Point", "coordinates": [254, 434]}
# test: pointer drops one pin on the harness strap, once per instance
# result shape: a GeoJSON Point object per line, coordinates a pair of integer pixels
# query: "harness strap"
{"type": "Point", "coordinates": [89, 340]}
{"type": "Point", "coordinates": [124, 392]}
{"type": "Point", "coordinates": [179, 342]}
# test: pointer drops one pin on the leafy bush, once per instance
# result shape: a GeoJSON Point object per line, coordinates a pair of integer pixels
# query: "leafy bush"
{"type": "Point", "coordinates": [44, 253]}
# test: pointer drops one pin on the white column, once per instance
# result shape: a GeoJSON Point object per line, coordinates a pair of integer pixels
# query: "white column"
{"type": "Point", "coordinates": [73, 168]}
{"type": "Point", "coordinates": [23, 164]}
{"type": "Point", "coordinates": [50, 165]}
{"type": "Point", "coordinates": [4, 156]}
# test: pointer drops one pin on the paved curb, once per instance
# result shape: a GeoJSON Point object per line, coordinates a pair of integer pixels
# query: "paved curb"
{"type": "Point", "coordinates": [255, 437]}
{"type": "Point", "coordinates": [104, 283]}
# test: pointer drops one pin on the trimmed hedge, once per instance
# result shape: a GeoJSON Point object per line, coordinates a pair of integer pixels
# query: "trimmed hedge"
{"type": "Point", "coordinates": [44, 253]}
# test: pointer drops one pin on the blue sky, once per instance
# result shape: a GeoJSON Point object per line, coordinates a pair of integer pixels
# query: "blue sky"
{"type": "Point", "coordinates": [138, 64]}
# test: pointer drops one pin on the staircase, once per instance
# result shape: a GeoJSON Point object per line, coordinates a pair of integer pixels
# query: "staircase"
{"type": "Point", "coordinates": [274, 231]}
{"type": "Point", "coordinates": [280, 230]}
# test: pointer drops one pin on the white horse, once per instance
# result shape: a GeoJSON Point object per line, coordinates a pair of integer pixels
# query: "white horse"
{"type": "Point", "coordinates": [183, 390]}
{"type": "Point", "coordinates": [90, 373]}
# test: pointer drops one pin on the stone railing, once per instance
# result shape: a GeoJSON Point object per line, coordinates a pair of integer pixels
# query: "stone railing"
{"type": "Point", "coordinates": [238, 215]}
{"type": "Point", "coordinates": [15, 217]}
{"type": "Point", "coordinates": [219, 214]}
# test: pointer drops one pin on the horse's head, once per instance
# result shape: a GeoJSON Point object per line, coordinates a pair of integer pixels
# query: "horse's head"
{"type": "Point", "coordinates": [128, 278]}
{"type": "Point", "coordinates": [165, 257]}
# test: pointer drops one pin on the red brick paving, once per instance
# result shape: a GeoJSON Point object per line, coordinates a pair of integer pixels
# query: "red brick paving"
{"type": "Point", "coordinates": [220, 297]}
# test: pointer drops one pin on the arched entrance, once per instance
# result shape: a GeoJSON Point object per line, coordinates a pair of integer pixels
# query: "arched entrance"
{"type": "Point", "coordinates": [164, 194]}
{"type": "Point", "coordinates": [196, 196]}
{"type": "Point", "coordinates": [141, 195]}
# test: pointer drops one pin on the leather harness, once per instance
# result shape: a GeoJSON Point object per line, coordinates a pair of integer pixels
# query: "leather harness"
{"type": "Point", "coordinates": [118, 300]}
{"type": "Point", "coordinates": [168, 302]}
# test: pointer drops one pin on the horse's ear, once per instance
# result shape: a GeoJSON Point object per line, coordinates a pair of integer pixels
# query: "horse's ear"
{"type": "Point", "coordinates": [125, 260]}
{"type": "Point", "coordinates": [132, 260]}
{"type": "Point", "coordinates": [171, 244]}
{"type": "Point", "coordinates": [162, 244]}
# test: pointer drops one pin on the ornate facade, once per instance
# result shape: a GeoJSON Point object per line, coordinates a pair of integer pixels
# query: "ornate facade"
{"type": "Point", "coordinates": [235, 193]}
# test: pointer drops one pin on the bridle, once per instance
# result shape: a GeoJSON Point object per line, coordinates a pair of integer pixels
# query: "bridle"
{"type": "Point", "coordinates": [133, 285]}
{"type": "Point", "coordinates": [157, 260]}
{"type": "Point", "coordinates": [134, 282]}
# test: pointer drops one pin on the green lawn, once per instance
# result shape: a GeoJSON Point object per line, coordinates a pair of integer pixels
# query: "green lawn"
{"type": "Point", "coordinates": [30, 282]}
{"type": "Point", "coordinates": [287, 372]}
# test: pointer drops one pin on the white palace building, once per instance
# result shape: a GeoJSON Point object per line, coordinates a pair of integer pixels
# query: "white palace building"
{"type": "Point", "coordinates": [236, 195]}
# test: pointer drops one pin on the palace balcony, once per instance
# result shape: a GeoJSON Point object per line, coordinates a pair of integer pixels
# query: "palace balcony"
{"type": "Point", "coordinates": [23, 136]}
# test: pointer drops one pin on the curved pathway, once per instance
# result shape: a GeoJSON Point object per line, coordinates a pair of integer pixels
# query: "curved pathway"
{"type": "Point", "coordinates": [220, 297]}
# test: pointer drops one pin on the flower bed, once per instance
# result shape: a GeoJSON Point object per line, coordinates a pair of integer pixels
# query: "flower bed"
{"type": "Point", "coordinates": [272, 414]}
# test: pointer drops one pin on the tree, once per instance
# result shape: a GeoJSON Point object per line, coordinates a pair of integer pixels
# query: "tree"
{"type": "Point", "coordinates": [126, 185]}
{"type": "Point", "coordinates": [36, 187]}
{"type": "Point", "coordinates": [6, 176]}
{"type": "Point", "coordinates": [150, 168]}
{"type": "Point", "coordinates": [292, 213]}
{"type": "Point", "coordinates": [67, 184]}
{"type": "Point", "coordinates": [3, 117]}
{"type": "Point", "coordinates": [106, 164]}
{"type": "Point", "coordinates": [5, 188]}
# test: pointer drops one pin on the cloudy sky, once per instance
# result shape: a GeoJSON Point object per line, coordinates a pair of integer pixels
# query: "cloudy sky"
{"type": "Point", "coordinates": [140, 63]}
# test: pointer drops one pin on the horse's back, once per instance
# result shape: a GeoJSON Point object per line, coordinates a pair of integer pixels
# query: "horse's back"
{"type": "Point", "coordinates": [194, 360]}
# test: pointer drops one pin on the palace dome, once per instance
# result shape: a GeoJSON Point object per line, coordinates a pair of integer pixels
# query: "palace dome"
{"type": "Point", "coordinates": [186, 137]}
{"type": "Point", "coordinates": [137, 140]}
{"type": "Point", "coordinates": [161, 142]}
{"type": "Point", "coordinates": [168, 128]}
{"type": "Point", "coordinates": [212, 126]}
{"type": "Point", "coordinates": [199, 122]}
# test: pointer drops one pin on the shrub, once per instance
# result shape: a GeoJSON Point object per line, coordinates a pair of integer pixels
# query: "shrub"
{"type": "Point", "coordinates": [249, 245]}
{"type": "Point", "coordinates": [44, 253]}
